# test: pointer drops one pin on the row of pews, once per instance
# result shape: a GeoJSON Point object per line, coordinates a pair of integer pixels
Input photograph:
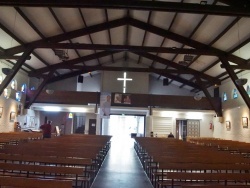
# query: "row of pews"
{"type": "Point", "coordinates": [65, 161]}
{"type": "Point", "coordinates": [175, 163]}
{"type": "Point", "coordinates": [13, 138]}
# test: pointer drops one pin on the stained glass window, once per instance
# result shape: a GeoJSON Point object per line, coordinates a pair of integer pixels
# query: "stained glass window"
{"type": "Point", "coordinates": [235, 94]}
{"type": "Point", "coordinates": [224, 96]}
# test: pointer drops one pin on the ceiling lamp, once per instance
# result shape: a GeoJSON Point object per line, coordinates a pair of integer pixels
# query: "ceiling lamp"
{"type": "Point", "coordinates": [49, 91]}
{"type": "Point", "coordinates": [7, 71]}
{"type": "Point", "coordinates": [241, 81]}
{"type": "Point", "coordinates": [197, 97]}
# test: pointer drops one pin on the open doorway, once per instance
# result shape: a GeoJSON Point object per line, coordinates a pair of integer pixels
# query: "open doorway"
{"type": "Point", "coordinates": [124, 126]}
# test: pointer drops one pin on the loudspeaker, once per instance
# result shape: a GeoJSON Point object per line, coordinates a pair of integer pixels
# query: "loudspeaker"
{"type": "Point", "coordinates": [165, 82]}
{"type": "Point", "coordinates": [80, 79]}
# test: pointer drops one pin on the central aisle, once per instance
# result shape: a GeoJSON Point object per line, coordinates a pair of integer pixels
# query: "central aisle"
{"type": "Point", "coordinates": [121, 168]}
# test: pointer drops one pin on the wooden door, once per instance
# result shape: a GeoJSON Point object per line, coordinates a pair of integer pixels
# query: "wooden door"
{"type": "Point", "coordinates": [92, 126]}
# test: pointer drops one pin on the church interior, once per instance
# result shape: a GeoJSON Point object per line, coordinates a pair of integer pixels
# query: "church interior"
{"type": "Point", "coordinates": [116, 79]}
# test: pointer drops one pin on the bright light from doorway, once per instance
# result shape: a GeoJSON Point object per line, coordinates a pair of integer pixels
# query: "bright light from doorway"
{"type": "Point", "coordinates": [51, 108]}
{"type": "Point", "coordinates": [194, 115]}
{"type": "Point", "coordinates": [76, 109]}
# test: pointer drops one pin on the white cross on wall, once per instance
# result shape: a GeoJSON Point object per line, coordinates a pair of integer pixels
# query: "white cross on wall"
{"type": "Point", "coordinates": [124, 79]}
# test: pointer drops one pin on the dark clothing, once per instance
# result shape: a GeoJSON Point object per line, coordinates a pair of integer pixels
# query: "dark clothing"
{"type": "Point", "coordinates": [170, 136]}
{"type": "Point", "coordinates": [46, 130]}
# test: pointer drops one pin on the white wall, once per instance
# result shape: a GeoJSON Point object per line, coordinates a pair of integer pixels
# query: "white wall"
{"type": "Point", "coordinates": [156, 88]}
{"type": "Point", "coordinates": [233, 111]}
{"type": "Point", "coordinates": [139, 84]}
{"type": "Point", "coordinates": [64, 85]}
{"type": "Point", "coordinates": [11, 105]}
{"type": "Point", "coordinates": [205, 119]}
{"type": "Point", "coordinates": [90, 84]}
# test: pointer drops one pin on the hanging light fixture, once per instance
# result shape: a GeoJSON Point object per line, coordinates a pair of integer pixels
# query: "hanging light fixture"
{"type": "Point", "coordinates": [241, 81]}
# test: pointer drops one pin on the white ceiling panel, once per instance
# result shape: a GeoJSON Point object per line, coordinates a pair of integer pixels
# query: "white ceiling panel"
{"type": "Point", "coordinates": [237, 35]}
{"type": "Point", "coordinates": [70, 18]}
{"type": "Point", "coordinates": [133, 56]}
{"type": "Point", "coordinates": [185, 23]}
{"type": "Point", "coordinates": [7, 41]}
{"type": "Point", "coordinates": [203, 62]}
{"type": "Point", "coordinates": [211, 27]}
{"type": "Point", "coordinates": [146, 62]}
{"type": "Point", "coordinates": [86, 52]}
{"type": "Point", "coordinates": [118, 35]}
{"type": "Point", "coordinates": [48, 55]}
{"type": "Point", "coordinates": [106, 59]}
{"type": "Point", "coordinates": [167, 56]}
{"type": "Point", "coordinates": [114, 14]}
{"type": "Point", "coordinates": [215, 70]}
{"type": "Point", "coordinates": [140, 15]}
{"type": "Point", "coordinates": [118, 56]}
{"type": "Point", "coordinates": [93, 16]}
{"type": "Point", "coordinates": [83, 39]}
{"type": "Point", "coordinates": [243, 52]}
{"type": "Point", "coordinates": [43, 20]}
{"type": "Point", "coordinates": [162, 19]}
{"type": "Point", "coordinates": [100, 37]}
{"type": "Point", "coordinates": [35, 63]}
{"type": "Point", "coordinates": [91, 63]}
{"type": "Point", "coordinates": [136, 36]}
{"type": "Point", "coordinates": [153, 40]}
{"type": "Point", "coordinates": [17, 25]}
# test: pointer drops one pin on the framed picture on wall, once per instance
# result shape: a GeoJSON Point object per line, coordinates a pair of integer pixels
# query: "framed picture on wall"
{"type": "Point", "coordinates": [12, 116]}
{"type": "Point", "coordinates": [245, 122]}
{"type": "Point", "coordinates": [1, 111]}
{"type": "Point", "coordinates": [228, 125]}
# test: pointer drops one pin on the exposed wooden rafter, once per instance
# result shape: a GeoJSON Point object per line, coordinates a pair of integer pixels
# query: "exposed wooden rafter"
{"type": "Point", "coordinates": [137, 5]}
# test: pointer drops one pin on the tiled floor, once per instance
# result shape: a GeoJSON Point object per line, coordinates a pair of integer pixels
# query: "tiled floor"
{"type": "Point", "coordinates": [121, 168]}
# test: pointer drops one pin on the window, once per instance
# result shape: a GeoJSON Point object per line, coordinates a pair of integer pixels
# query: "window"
{"type": "Point", "coordinates": [23, 88]}
{"type": "Point", "coordinates": [235, 94]}
{"type": "Point", "coordinates": [13, 84]}
{"type": "Point", "coordinates": [70, 116]}
{"type": "Point", "coordinates": [224, 97]}
{"type": "Point", "coordinates": [248, 90]}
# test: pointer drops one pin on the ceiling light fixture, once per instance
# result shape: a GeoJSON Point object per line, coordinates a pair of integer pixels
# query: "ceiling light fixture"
{"type": "Point", "coordinates": [197, 97]}
{"type": "Point", "coordinates": [49, 91]}
{"type": "Point", "coordinates": [7, 71]}
{"type": "Point", "coordinates": [241, 81]}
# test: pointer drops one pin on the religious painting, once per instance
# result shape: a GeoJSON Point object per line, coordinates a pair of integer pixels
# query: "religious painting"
{"type": "Point", "coordinates": [245, 122]}
{"type": "Point", "coordinates": [12, 116]}
{"type": "Point", "coordinates": [1, 111]}
{"type": "Point", "coordinates": [105, 102]}
{"type": "Point", "coordinates": [228, 125]}
{"type": "Point", "coordinates": [118, 98]}
{"type": "Point", "coordinates": [126, 99]}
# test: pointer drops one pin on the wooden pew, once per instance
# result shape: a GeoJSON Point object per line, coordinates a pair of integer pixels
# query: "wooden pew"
{"type": "Point", "coordinates": [34, 183]}
{"type": "Point", "coordinates": [182, 178]}
{"type": "Point", "coordinates": [45, 172]}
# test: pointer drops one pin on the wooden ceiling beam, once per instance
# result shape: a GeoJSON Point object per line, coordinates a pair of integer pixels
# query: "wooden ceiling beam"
{"type": "Point", "coordinates": [182, 40]}
{"type": "Point", "coordinates": [136, 5]}
{"type": "Point", "coordinates": [242, 67]}
{"type": "Point", "coordinates": [177, 66]}
{"type": "Point", "coordinates": [39, 72]}
{"type": "Point", "coordinates": [234, 77]}
{"type": "Point", "coordinates": [109, 47]}
{"type": "Point", "coordinates": [70, 35]}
